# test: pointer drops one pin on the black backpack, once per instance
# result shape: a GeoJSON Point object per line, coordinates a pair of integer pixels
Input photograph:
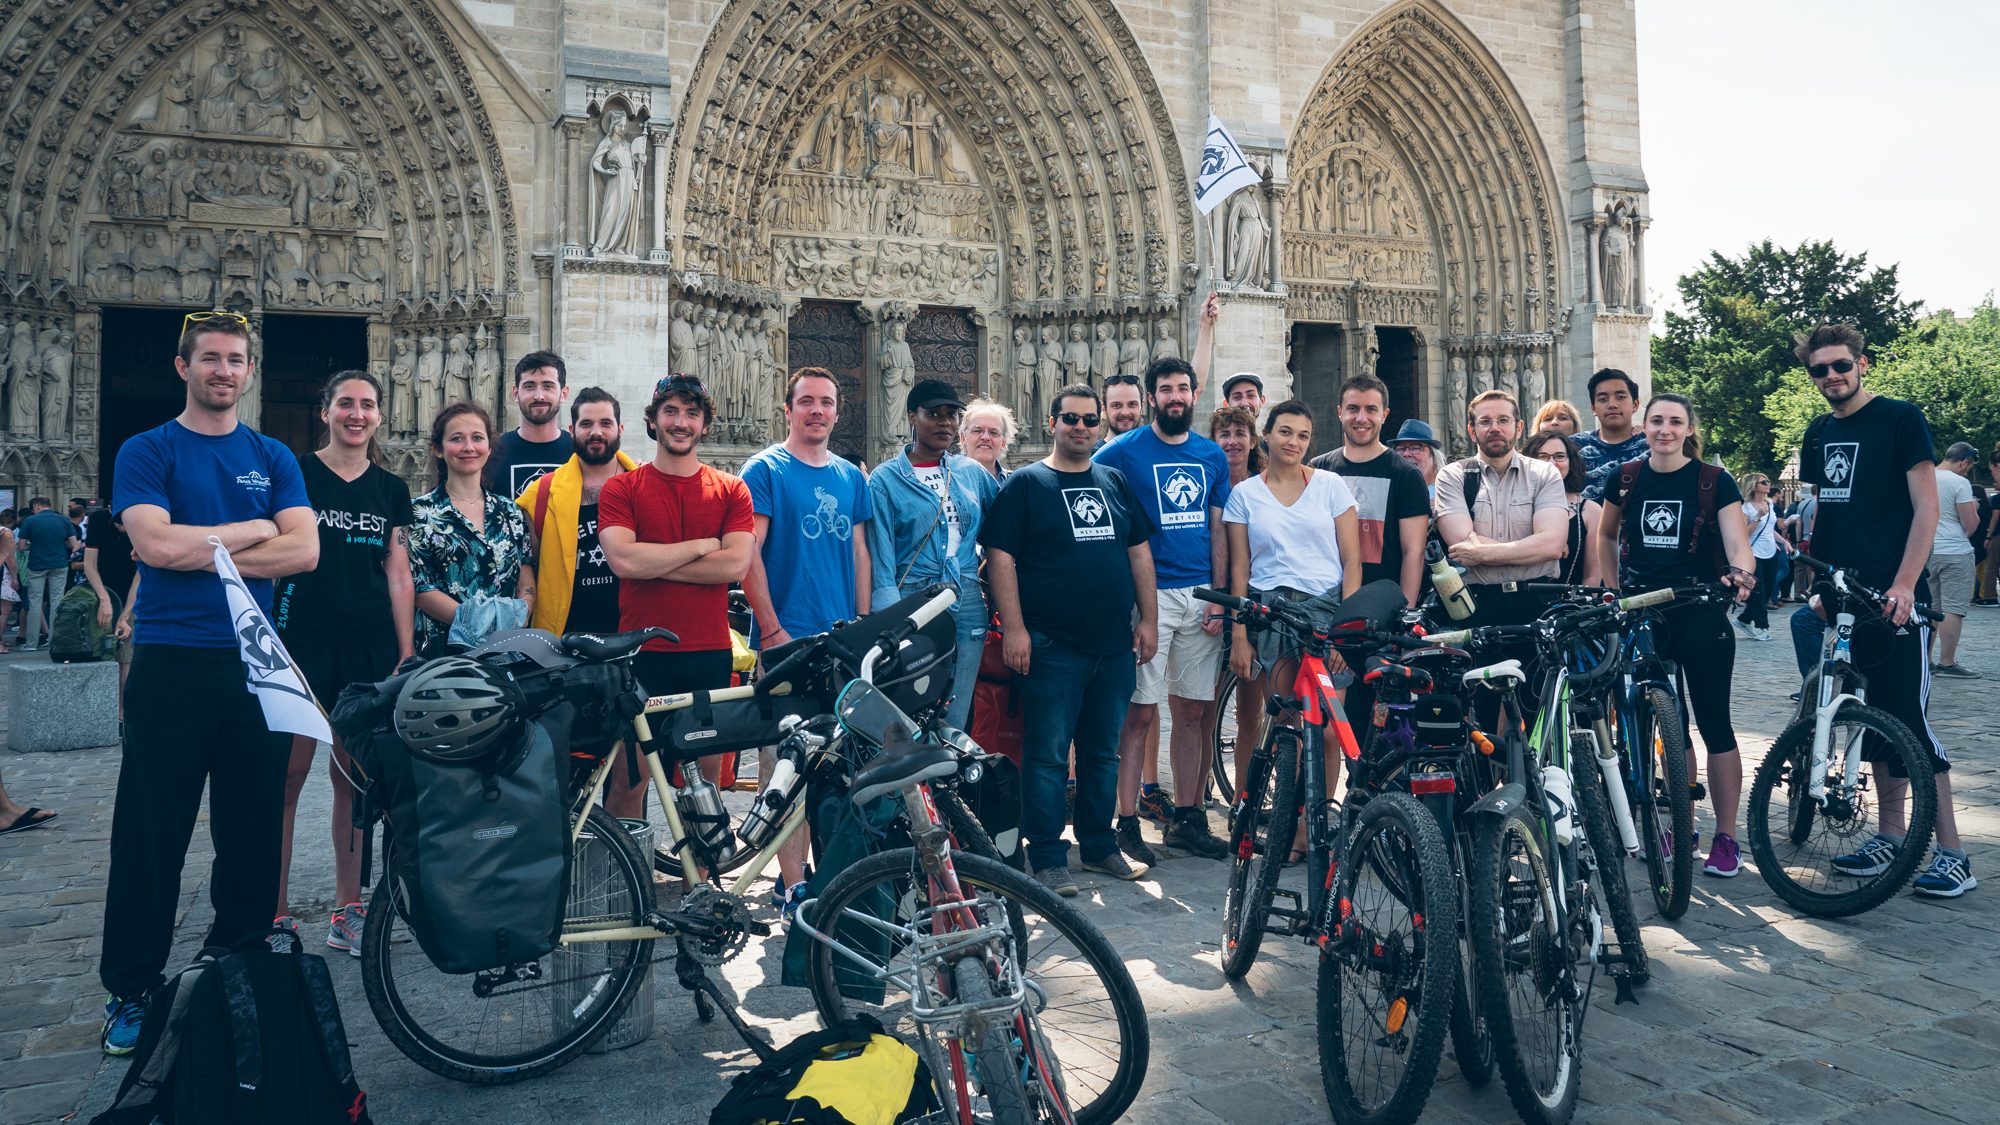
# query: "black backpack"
{"type": "Point", "coordinates": [849, 1064]}
{"type": "Point", "coordinates": [243, 1038]}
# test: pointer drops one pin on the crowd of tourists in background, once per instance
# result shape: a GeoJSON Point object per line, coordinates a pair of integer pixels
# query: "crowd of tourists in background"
{"type": "Point", "coordinates": [1084, 562]}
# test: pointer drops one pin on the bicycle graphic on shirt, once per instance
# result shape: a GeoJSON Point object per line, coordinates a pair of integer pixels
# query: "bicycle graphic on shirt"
{"type": "Point", "coordinates": [826, 518]}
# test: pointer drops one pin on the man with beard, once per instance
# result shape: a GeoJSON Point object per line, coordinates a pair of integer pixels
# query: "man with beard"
{"type": "Point", "coordinates": [1182, 482]}
{"type": "Point", "coordinates": [1614, 399]}
{"type": "Point", "coordinates": [676, 533]}
{"type": "Point", "coordinates": [576, 591]}
{"type": "Point", "coordinates": [541, 383]}
{"type": "Point", "coordinates": [1503, 516]}
{"type": "Point", "coordinates": [1389, 491]}
{"type": "Point", "coordinates": [1123, 407]}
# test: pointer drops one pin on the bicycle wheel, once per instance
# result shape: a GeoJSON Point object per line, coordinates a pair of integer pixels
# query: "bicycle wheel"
{"type": "Point", "coordinates": [967, 834]}
{"type": "Point", "coordinates": [1662, 736]}
{"type": "Point", "coordinates": [536, 1016]}
{"type": "Point", "coordinates": [1385, 993]}
{"type": "Point", "coordinates": [1532, 1002]}
{"type": "Point", "coordinates": [1260, 838]}
{"type": "Point", "coordinates": [1609, 859]}
{"type": "Point", "coordinates": [1798, 862]}
{"type": "Point", "coordinates": [1222, 736]}
{"type": "Point", "coordinates": [1471, 1043]}
{"type": "Point", "coordinates": [990, 1040]}
{"type": "Point", "coordinates": [1081, 999]}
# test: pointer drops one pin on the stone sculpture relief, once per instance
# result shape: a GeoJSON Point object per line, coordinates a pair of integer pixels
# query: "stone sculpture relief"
{"type": "Point", "coordinates": [457, 370]}
{"type": "Point", "coordinates": [401, 413]}
{"type": "Point", "coordinates": [1104, 350]}
{"type": "Point", "coordinates": [1048, 377]}
{"type": "Point", "coordinates": [878, 129]}
{"type": "Point", "coordinates": [1164, 343]}
{"type": "Point", "coordinates": [54, 356]}
{"type": "Point", "coordinates": [855, 268]}
{"type": "Point", "coordinates": [1026, 401]}
{"type": "Point", "coordinates": [24, 382]}
{"type": "Point", "coordinates": [1076, 356]}
{"type": "Point", "coordinates": [1615, 252]}
{"type": "Point", "coordinates": [616, 176]}
{"type": "Point", "coordinates": [899, 366]}
{"type": "Point", "coordinates": [1132, 354]}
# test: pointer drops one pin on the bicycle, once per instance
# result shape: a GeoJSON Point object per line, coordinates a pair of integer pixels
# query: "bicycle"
{"type": "Point", "coordinates": [1383, 1004]}
{"type": "Point", "coordinates": [1811, 798]}
{"type": "Point", "coordinates": [535, 1016]}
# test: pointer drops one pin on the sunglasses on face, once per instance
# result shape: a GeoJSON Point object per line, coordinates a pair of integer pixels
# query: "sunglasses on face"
{"type": "Point", "coordinates": [1088, 421]}
{"type": "Point", "coordinates": [1838, 366]}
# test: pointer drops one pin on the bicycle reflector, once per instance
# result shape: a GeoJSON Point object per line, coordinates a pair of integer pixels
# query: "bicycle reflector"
{"type": "Point", "coordinates": [1422, 783]}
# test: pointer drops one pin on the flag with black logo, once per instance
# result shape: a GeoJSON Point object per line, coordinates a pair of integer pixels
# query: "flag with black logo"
{"type": "Point", "coordinates": [288, 704]}
{"type": "Point", "coordinates": [1224, 169]}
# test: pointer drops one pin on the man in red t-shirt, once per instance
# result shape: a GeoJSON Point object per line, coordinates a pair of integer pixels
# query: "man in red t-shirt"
{"type": "Point", "coordinates": [676, 533]}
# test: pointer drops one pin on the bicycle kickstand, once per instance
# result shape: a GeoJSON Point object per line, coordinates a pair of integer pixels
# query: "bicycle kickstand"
{"type": "Point", "coordinates": [708, 997]}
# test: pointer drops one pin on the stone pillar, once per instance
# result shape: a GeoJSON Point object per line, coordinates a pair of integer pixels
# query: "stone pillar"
{"type": "Point", "coordinates": [657, 169]}
{"type": "Point", "coordinates": [572, 194]}
{"type": "Point", "coordinates": [1274, 196]}
{"type": "Point", "coordinates": [1639, 226]}
{"type": "Point", "coordinates": [1593, 232]}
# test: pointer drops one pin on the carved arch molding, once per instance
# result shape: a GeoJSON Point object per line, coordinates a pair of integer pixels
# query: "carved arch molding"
{"type": "Point", "coordinates": [1064, 133]}
{"type": "Point", "coordinates": [312, 154]}
{"type": "Point", "coordinates": [1421, 196]}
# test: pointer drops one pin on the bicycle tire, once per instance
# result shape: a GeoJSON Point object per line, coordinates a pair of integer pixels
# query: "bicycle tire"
{"type": "Point", "coordinates": [1471, 1044]}
{"type": "Point", "coordinates": [1785, 766]}
{"type": "Point", "coordinates": [1612, 890]}
{"type": "Point", "coordinates": [1542, 1089]}
{"type": "Point", "coordinates": [991, 1042]}
{"type": "Point", "coordinates": [1424, 861]}
{"type": "Point", "coordinates": [1253, 878]}
{"type": "Point", "coordinates": [1101, 1082]}
{"type": "Point", "coordinates": [1672, 877]}
{"type": "Point", "coordinates": [967, 833]}
{"type": "Point", "coordinates": [389, 988]}
{"type": "Point", "coordinates": [1223, 732]}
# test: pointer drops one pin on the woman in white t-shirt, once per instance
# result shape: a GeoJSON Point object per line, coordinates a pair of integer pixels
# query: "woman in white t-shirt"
{"type": "Point", "coordinates": [1765, 543]}
{"type": "Point", "coordinates": [1293, 531]}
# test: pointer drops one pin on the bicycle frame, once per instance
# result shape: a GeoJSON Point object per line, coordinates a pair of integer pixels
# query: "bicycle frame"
{"type": "Point", "coordinates": [1836, 669]}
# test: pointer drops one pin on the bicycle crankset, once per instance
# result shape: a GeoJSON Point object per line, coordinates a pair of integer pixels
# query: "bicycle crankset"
{"type": "Point", "coordinates": [715, 925]}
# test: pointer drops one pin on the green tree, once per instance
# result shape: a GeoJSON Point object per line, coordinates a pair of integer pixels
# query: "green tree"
{"type": "Point", "coordinates": [1947, 366]}
{"type": "Point", "coordinates": [1731, 348]}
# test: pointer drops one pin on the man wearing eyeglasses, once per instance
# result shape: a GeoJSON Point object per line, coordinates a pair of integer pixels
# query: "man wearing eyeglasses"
{"type": "Point", "coordinates": [1072, 578]}
{"type": "Point", "coordinates": [191, 720]}
{"type": "Point", "coordinates": [1872, 462]}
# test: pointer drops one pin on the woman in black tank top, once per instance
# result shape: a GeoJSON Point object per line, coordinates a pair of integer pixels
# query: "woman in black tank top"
{"type": "Point", "coordinates": [1579, 562]}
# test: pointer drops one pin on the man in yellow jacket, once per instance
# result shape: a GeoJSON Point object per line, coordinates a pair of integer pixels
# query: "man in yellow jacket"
{"type": "Point", "coordinates": [576, 590]}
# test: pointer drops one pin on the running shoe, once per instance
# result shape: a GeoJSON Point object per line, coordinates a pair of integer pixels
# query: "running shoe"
{"type": "Point", "coordinates": [1156, 806]}
{"type": "Point", "coordinates": [1871, 858]}
{"type": "Point", "coordinates": [1724, 858]}
{"type": "Point", "coordinates": [1116, 866]}
{"type": "Point", "coordinates": [788, 901]}
{"type": "Point", "coordinates": [1948, 876]}
{"type": "Point", "coordinates": [1958, 671]}
{"type": "Point", "coordinates": [344, 932]}
{"type": "Point", "coordinates": [122, 1021]}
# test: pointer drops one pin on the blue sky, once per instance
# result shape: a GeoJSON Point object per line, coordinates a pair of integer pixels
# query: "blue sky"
{"type": "Point", "coordinates": [1874, 124]}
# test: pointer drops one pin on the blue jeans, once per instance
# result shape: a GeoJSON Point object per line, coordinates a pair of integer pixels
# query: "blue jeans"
{"type": "Point", "coordinates": [969, 614]}
{"type": "Point", "coordinates": [1808, 637]}
{"type": "Point", "coordinates": [1070, 696]}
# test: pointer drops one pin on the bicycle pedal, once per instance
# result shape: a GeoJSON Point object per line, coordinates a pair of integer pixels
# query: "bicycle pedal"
{"type": "Point", "coordinates": [759, 929]}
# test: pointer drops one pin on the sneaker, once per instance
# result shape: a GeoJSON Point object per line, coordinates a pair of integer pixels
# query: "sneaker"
{"type": "Point", "coordinates": [1986, 603]}
{"type": "Point", "coordinates": [285, 922]}
{"type": "Point", "coordinates": [1724, 862]}
{"type": "Point", "coordinates": [1132, 843]}
{"type": "Point", "coordinates": [1958, 671]}
{"type": "Point", "coordinates": [1948, 876]}
{"type": "Point", "coordinates": [1749, 630]}
{"type": "Point", "coordinates": [1057, 879]}
{"type": "Point", "coordinates": [788, 900]}
{"type": "Point", "coordinates": [1871, 858]}
{"type": "Point", "coordinates": [344, 932]}
{"type": "Point", "coordinates": [1190, 833]}
{"type": "Point", "coordinates": [122, 1021]}
{"type": "Point", "coordinates": [1667, 844]}
{"type": "Point", "coordinates": [1761, 633]}
{"type": "Point", "coordinates": [1795, 697]}
{"type": "Point", "coordinates": [1116, 866]}
{"type": "Point", "coordinates": [1156, 806]}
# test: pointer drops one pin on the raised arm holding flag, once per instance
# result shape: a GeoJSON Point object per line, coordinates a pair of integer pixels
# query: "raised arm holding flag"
{"type": "Point", "coordinates": [1224, 169]}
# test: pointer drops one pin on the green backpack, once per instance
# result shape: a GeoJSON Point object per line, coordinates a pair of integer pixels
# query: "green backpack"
{"type": "Point", "coordinates": [74, 636]}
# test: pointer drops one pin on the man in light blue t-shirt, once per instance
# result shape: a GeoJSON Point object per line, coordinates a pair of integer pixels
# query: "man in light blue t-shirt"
{"type": "Point", "coordinates": [1182, 479]}
{"type": "Point", "coordinates": [810, 570]}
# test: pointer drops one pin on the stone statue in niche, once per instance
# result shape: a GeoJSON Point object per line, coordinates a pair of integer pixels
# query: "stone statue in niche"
{"type": "Point", "coordinates": [680, 339]}
{"type": "Point", "coordinates": [401, 410]}
{"type": "Point", "coordinates": [614, 186]}
{"type": "Point", "coordinates": [1455, 399]}
{"type": "Point", "coordinates": [766, 398]}
{"type": "Point", "coordinates": [198, 270]}
{"type": "Point", "coordinates": [458, 370]}
{"type": "Point", "coordinates": [370, 277]}
{"type": "Point", "coordinates": [219, 110]}
{"type": "Point", "coordinates": [704, 346]}
{"type": "Point", "coordinates": [106, 273]}
{"type": "Point", "coordinates": [1482, 373]}
{"type": "Point", "coordinates": [1104, 350]}
{"type": "Point", "coordinates": [1534, 385]}
{"type": "Point", "coordinates": [1132, 351]}
{"type": "Point", "coordinates": [24, 371]}
{"type": "Point", "coordinates": [1024, 375]}
{"type": "Point", "coordinates": [430, 381]}
{"type": "Point", "coordinates": [485, 377]}
{"type": "Point", "coordinates": [285, 280]}
{"type": "Point", "coordinates": [1164, 344]}
{"type": "Point", "coordinates": [888, 135]}
{"type": "Point", "coordinates": [1248, 239]}
{"type": "Point", "coordinates": [1048, 374]}
{"type": "Point", "coordinates": [899, 367]}
{"type": "Point", "coordinates": [152, 267]}
{"type": "Point", "coordinates": [1616, 249]}
{"type": "Point", "coordinates": [1508, 379]}
{"type": "Point", "coordinates": [55, 365]}
{"type": "Point", "coordinates": [735, 365]}
{"type": "Point", "coordinates": [1076, 356]}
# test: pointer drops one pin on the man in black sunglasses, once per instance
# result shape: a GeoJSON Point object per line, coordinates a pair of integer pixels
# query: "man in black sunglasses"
{"type": "Point", "coordinates": [1872, 463]}
{"type": "Point", "coordinates": [1070, 570]}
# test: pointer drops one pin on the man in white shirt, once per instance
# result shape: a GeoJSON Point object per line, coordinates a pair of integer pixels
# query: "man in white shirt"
{"type": "Point", "coordinates": [1951, 555]}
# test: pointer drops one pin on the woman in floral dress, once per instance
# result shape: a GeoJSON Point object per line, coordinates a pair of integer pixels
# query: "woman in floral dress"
{"type": "Point", "coordinates": [464, 541]}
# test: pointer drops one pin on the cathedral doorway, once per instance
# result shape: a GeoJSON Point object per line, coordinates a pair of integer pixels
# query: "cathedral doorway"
{"type": "Point", "coordinates": [945, 346]}
{"type": "Point", "coordinates": [141, 388]}
{"type": "Point", "coordinates": [1319, 365]}
{"type": "Point", "coordinates": [830, 334]}
{"type": "Point", "coordinates": [1400, 364]}
{"type": "Point", "coordinates": [300, 352]}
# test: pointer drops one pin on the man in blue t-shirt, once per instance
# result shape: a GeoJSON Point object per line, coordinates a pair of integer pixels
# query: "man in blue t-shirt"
{"type": "Point", "coordinates": [810, 570]}
{"type": "Point", "coordinates": [190, 718]}
{"type": "Point", "coordinates": [50, 538]}
{"type": "Point", "coordinates": [1182, 481]}
{"type": "Point", "coordinates": [1614, 402]}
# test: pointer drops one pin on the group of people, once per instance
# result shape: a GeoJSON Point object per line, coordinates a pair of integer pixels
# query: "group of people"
{"type": "Point", "coordinates": [1087, 559]}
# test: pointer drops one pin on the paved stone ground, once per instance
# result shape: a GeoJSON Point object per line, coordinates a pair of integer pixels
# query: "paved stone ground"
{"type": "Point", "coordinates": [1754, 1014]}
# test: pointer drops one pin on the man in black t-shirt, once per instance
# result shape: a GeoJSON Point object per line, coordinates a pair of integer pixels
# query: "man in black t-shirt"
{"type": "Point", "coordinates": [113, 573]}
{"type": "Point", "coordinates": [1070, 572]}
{"type": "Point", "coordinates": [1871, 461]}
{"type": "Point", "coordinates": [541, 383]}
{"type": "Point", "coordinates": [1389, 492]}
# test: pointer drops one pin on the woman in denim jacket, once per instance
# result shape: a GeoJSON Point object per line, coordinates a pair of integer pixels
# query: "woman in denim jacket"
{"type": "Point", "coordinates": [928, 503]}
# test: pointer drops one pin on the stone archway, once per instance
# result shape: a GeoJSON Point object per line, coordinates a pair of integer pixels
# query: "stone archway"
{"type": "Point", "coordinates": [1012, 158]}
{"type": "Point", "coordinates": [308, 157]}
{"type": "Point", "coordinates": [1421, 197]}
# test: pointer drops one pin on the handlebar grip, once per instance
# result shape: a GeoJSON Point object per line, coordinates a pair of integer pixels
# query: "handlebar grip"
{"type": "Point", "coordinates": [1646, 600]}
{"type": "Point", "coordinates": [931, 610]}
{"type": "Point", "coordinates": [1548, 587]}
{"type": "Point", "coordinates": [772, 677]}
{"type": "Point", "coordinates": [1455, 638]}
{"type": "Point", "coordinates": [1217, 597]}
{"type": "Point", "coordinates": [1929, 614]}
{"type": "Point", "coordinates": [1816, 564]}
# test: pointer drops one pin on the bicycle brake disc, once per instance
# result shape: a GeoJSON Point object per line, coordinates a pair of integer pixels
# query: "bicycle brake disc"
{"type": "Point", "coordinates": [730, 922]}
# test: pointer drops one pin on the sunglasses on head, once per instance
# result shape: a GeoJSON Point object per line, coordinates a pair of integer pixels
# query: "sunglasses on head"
{"type": "Point", "coordinates": [678, 383]}
{"type": "Point", "coordinates": [1071, 418]}
{"type": "Point", "coordinates": [1121, 380]}
{"type": "Point", "coordinates": [194, 318]}
{"type": "Point", "coordinates": [1838, 366]}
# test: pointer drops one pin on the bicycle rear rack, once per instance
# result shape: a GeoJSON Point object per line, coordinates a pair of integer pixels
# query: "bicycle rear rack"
{"type": "Point", "coordinates": [930, 957]}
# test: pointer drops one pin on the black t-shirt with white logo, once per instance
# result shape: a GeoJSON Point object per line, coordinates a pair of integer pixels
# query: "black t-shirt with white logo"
{"type": "Point", "coordinates": [1387, 490]}
{"type": "Point", "coordinates": [1655, 520]}
{"type": "Point", "coordinates": [344, 601]}
{"type": "Point", "coordinates": [1069, 533]}
{"type": "Point", "coordinates": [517, 462]}
{"type": "Point", "coordinates": [1859, 469]}
{"type": "Point", "coordinates": [593, 603]}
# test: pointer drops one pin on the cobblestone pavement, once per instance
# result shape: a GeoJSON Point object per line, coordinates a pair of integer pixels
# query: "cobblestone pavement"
{"type": "Point", "coordinates": [1754, 1015]}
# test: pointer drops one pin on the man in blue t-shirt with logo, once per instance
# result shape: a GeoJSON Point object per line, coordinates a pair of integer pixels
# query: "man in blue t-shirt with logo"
{"type": "Point", "coordinates": [810, 569]}
{"type": "Point", "coordinates": [190, 718]}
{"type": "Point", "coordinates": [1182, 480]}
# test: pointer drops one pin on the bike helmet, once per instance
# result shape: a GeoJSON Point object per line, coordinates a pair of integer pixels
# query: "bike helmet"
{"type": "Point", "coordinates": [457, 711]}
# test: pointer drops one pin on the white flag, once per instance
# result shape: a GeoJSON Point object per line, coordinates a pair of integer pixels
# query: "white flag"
{"type": "Point", "coordinates": [288, 704]}
{"type": "Point", "coordinates": [1224, 171]}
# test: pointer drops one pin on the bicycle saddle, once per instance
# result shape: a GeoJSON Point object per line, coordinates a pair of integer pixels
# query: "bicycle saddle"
{"type": "Point", "coordinates": [590, 646]}
{"type": "Point", "coordinates": [1507, 673]}
{"type": "Point", "coordinates": [903, 761]}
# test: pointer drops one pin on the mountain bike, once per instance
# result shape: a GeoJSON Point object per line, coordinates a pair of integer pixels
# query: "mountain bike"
{"type": "Point", "coordinates": [1377, 886]}
{"type": "Point", "coordinates": [1815, 794]}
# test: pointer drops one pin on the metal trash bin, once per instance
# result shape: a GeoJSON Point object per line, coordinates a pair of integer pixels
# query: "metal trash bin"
{"type": "Point", "coordinates": [589, 874]}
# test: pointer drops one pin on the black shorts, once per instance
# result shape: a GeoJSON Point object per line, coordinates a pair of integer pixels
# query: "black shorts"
{"type": "Point", "coordinates": [1897, 664]}
{"type": "Point", "coordinates": [666, 673]}
{"type": "Point", "coordinates": [330, 668]}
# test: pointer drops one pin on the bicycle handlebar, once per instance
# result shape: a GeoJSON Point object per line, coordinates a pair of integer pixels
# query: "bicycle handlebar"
{"type": "Point", "coordinates": [1848, 582]}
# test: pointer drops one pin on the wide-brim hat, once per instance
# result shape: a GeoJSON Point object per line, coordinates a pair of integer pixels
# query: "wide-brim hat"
{"type": "Point", "coordinates": [1416, 429]}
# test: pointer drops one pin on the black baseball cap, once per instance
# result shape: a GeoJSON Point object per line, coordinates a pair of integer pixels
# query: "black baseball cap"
{"type": "Point", "coordinates": [1243, 377]}
{"type": "Point", "coordinates": [931, 392]}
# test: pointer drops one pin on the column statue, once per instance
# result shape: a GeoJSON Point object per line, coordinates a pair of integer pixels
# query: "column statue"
{"type": "Point", "coordinates": [614, 187]}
